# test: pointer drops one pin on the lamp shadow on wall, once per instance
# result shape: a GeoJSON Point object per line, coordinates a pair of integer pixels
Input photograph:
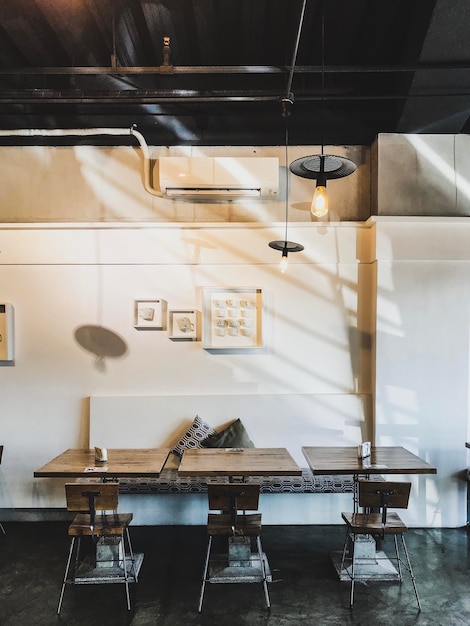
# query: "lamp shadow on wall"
{"type": "Point", "coordinates": [101, 342]}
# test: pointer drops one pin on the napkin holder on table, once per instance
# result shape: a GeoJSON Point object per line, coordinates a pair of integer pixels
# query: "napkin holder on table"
{"type": "Point", "coordinates": [363, 450]}
{"type": "Point", "coordinates": [101, 454]}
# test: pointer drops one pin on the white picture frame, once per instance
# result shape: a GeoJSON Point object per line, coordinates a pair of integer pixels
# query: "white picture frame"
{"type": "Point", "coordinates": [183, 324]}
{"type": "Point", "coordinates": [149, 314]}
{"type": "Point", "coordinates": [232, 318]}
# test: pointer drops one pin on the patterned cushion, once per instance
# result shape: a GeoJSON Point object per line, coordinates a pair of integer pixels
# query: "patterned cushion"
{"type": "Point", "coordinates": [169, 482]}
{"type": "Point", "coordinates": [194, 436]}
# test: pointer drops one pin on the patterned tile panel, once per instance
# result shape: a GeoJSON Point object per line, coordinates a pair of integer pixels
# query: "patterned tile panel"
{"type": "Point", "coordinates": [169, 482]}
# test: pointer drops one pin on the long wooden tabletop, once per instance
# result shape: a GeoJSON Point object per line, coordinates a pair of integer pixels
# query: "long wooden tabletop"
{"type": "Point", "coordinates": [121, 462]}
{"type": "Point", "coordinates": [383, 460]}
{"type": "Point", "coordinates": [238, 462]}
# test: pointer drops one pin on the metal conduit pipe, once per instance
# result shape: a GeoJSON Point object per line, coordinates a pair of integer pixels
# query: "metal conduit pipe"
{"type": "Point", "coordinates": [86, 132]}
{"type": "Point", "coordinates": [147, 161]}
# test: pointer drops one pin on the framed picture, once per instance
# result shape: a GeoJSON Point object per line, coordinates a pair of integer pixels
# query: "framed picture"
{"type": "Point", "coordinates": [183, 325]}
{"type": "Point", "coordinates": [232, 318]}
{"type": "Point", "coordinates": [149, 314]}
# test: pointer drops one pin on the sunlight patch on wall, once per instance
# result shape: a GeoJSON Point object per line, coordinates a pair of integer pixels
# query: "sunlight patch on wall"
{"type": "Point", "coordinates": [389, 319]}
{"type": "Point", "coordinates": [402, 406]}
{"type": "Point", "coordinates": [440, 165]}
{"type": "Point", "coordinates": [104, 173]}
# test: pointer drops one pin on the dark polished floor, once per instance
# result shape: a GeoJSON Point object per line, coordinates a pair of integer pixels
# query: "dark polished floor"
{"type": "Point", "coordinates": [305, 588]}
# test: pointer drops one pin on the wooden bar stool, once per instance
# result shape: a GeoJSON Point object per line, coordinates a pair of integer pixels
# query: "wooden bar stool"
{"type": "Point", "coordinates": [238, 563]}
{"type": "Point", "coordinates": [376, 497]}
{"type": "Point", "coordinates": [1, 454]}
{"type": "Point", "coordinates": [97, 518]}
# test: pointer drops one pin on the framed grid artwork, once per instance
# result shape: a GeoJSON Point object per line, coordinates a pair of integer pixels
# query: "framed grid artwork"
{"type": "Point", "coordinates": [232, 318]}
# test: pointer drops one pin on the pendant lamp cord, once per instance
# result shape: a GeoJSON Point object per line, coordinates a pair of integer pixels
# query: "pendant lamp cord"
{"type": "Point", "coordinates": [322, 72]}
{"type": "Point", "coordinates": [287, 180]}
{"type": "Point", "coordinates": [113, 56]}
{"type": "Point", "coordinates": [296, 48]}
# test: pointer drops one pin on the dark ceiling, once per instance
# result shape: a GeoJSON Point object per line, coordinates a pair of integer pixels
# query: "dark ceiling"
{"type": "Point", "coordinates": [399, 66]}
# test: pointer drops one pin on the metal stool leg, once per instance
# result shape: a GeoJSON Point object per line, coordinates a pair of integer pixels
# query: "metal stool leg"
{"type": "Point", "coordinates": [353, 558]}
{"type": "Point", "coordinates": [345, 548]}
{"type": "Point", "coordinates": [131, 554]}
{"type": "Point", "coordinates": [204, 576]}
{"type": "Point", "coordinates": [400, 575]}
{"type": "Point", "coordinates": [64, 582]}
{"type": "Point", "coordinates": [349, 545]}
{"type": "Point", "coordinates": [126, 578]}
{"type": "Point", "coordinates": [263, 570]}
{"type": "Point", "coordinates": [410, 569]}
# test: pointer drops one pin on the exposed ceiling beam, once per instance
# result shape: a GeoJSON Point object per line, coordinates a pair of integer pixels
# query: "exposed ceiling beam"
{"type": "Point", "coordinates": [234, 69]}
{"type": "Point", "coordinates": [48, 96]}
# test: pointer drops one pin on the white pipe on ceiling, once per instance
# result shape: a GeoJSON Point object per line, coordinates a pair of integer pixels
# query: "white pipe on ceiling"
{"type": "Point", "coordinates": [87, 132]}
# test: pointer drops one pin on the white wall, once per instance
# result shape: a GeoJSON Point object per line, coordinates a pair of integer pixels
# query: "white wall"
{"type": "Point", "coordinates": [60, 277]}
{"type": "Point", "coordinates": [421, 175]}
{"type": "Point", "coordinates": [319, 316]}
{"type": "Point", "coordinates": [423, 314]}
{"type": "Point", "coordinates": [106, 184]}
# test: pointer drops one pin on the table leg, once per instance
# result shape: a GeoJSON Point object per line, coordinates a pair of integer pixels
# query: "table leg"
{"type": "Point", "coordinates": [239, 564]}
{"type": "Point", "coordinates": [108, 563]}
{"type": "Point", "coordinates": [370, 563]}
{"type": "Point", "coordinates": [108, 552]}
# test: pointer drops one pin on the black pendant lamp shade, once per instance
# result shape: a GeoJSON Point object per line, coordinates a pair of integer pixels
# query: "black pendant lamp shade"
{"type": "Point", "coordinates": [286, 246]}
{"type": "Point", "coordinates": [322, 167]}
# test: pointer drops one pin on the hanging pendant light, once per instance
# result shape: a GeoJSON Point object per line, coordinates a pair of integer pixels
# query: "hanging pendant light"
{"type": "Point", "coordinates": [322, 167]}
{"type": "Point", "coordinates": [286, 103]}
{"type": "Point", "coordinates": [286, 246]}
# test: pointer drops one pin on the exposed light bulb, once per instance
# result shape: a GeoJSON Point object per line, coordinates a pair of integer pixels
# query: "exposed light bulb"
{"type": "Point", "coordinates": [319, 206]}
{"type": "Point", "coordinates": [284, 264]}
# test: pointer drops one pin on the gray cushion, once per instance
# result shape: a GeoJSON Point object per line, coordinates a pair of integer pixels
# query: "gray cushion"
{"type": "Point", "coordinates": [234, 436]}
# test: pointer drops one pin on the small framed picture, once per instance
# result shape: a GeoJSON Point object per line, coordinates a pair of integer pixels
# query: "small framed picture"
{"type": "Point", "coordinates": [232, 318]}
{"type": "Point", "coordinates": [149, 314]}
{"type": "Point", "coordinates": [183, 325]}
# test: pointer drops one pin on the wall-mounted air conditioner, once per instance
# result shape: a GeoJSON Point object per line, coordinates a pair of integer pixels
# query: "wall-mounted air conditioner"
{"type": "Point", "coordinates": [218, 178]}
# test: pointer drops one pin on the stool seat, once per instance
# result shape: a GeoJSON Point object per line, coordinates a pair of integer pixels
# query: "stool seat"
{"type": "Point", "coordinates": [371, 523]}
{"type": "Point", "coordinates": [246, 526]}
{"type": "Point", "coordinates": [107, 524]}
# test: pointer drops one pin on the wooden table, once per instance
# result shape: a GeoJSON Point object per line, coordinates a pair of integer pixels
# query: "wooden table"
{"type": "Point", "coordinates": [238, 462]}
{"type": "Point", "coordinates": [343, 460]}
{"type": "Point", "coordinates": [122, 462]}
{"type": "Point", "coordinates": [383, 460]}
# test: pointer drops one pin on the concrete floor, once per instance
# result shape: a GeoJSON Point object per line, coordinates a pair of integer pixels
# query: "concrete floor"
{"type": "Point", "coordinates": [305, 588]}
